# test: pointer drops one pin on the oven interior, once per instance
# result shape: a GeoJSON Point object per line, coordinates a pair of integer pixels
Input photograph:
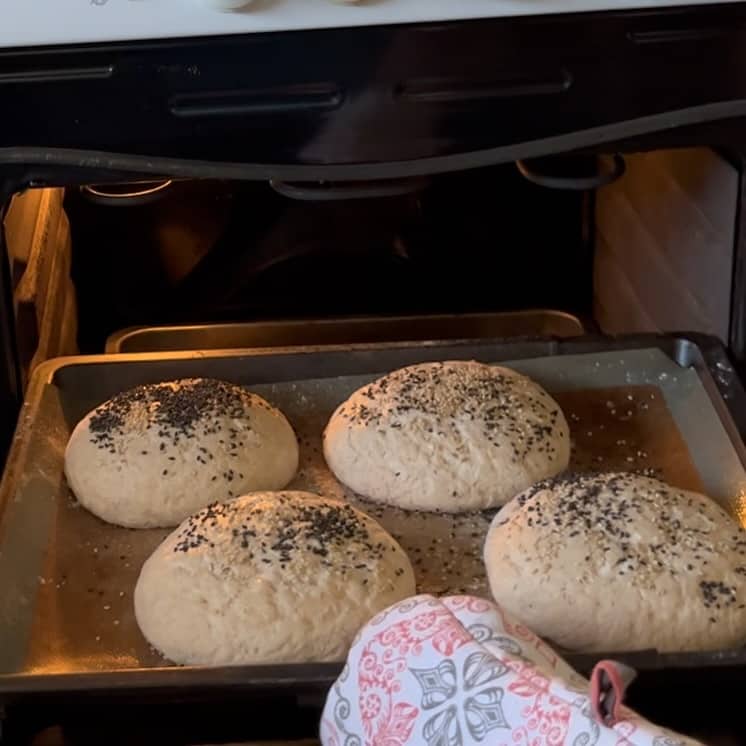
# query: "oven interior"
{"type": "Point", "coordinates": [500, 251]}
{"type": "Point", "coordinates": [653, 251]}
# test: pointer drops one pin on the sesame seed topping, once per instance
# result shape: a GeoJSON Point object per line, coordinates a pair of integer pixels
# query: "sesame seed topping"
{"type": "Point", "coordinates": [510, 409]}
{"type": "Point", "coordinates": [637, 527]}
{"type": "Point", "coordinates": [177, 410]}
{"type": "Point", "coordinates": [179, 422]}
{"type": "Point", "coordinates": [283, 529]}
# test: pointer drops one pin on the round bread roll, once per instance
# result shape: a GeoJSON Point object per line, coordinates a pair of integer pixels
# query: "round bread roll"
{"type": "Point", "coordinates": [151, 456]}
{"type": "Point", "coordinates": [619, 562]}
{"type": "Point", "coordinates": [284, 577]}
{"type": "Point", "coordinates": [453, 437]}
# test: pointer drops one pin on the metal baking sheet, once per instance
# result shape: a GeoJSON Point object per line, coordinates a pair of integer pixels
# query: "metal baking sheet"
{"type": "Point", "coordinates": [357, 330]}
{"type": "Point", "coordinates": [66, 578]}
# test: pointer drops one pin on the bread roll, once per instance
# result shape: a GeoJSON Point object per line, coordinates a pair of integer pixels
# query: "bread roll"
{"type": "Point", "coordinates": [284, 577]}
{"type": "Point", "coordinates": [454, 437]}
{"type": "Point", "coordinates": [152, 455]}
{"type": "Point", "coordinates": [619, 562]}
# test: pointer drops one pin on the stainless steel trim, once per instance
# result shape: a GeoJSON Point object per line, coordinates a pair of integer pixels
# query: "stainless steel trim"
{"type": "Point", "coordinates": [353, 330]}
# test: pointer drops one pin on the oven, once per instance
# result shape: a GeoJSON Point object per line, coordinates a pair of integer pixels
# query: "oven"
{"type": "Point", "coordinates": [300, 184]}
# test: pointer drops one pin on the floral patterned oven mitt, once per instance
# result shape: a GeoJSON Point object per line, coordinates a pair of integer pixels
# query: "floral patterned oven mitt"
{"type": "Point", "coordinates": [461, 671]}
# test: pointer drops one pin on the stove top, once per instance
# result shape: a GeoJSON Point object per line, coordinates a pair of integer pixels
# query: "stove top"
{"type": "Point", "coordinates": [53, 22]}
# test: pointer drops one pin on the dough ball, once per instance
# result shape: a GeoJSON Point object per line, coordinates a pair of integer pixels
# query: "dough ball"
{"type": "Point", "coordinates": [284, 577]}
{"type": "Point", "coordinates": [452, 437]}
{"type": "Point", "coordinates": [151, 456]}
{"type": "Point", "coordinates": [618, 562]}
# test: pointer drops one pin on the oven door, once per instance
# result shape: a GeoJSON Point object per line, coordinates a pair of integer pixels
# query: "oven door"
{"type": "Point", "coordinates": [374, 102]}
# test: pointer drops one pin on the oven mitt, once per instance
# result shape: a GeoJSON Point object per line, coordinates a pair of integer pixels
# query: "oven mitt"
{"type": "Point", "coordinates": [460, 671]}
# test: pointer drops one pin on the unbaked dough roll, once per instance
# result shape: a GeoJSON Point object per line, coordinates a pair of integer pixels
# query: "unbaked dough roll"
{"type": "Point", "coordinates": [453, 436]}
{"type": "Point", "coordinates": [285, 577]}
{"type": "Point", "coordinates": [152, 455]}
{"type": "Point", "coordinates": [618, 562]}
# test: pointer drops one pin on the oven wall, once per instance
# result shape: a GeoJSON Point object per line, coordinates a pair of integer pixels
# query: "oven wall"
{"type": "Point", "coordinates": [36, 232]}
{"type": "Point", "coordinates": [665, 236]}
{"type": "Point", "coordinates": [483, 240]}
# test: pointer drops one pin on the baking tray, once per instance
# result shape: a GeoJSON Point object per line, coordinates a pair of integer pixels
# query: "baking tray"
{"type": "Point", "coordinates": [355, 330]}
{"type": "Point", "coordinates": [66, 622]}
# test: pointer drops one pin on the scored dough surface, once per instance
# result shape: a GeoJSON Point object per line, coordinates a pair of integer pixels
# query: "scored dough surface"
{"type": "Point", "coordinates": [454, 436]}
{"type": "Point", "coordinates": [618, 562]}
{"type": "Point", "coordinates": [154, 454]}
{"type": "Point", "coordinates": [283, 577]}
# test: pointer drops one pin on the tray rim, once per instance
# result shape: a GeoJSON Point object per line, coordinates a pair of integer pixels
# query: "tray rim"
{"type": "Point", "coordinates": [115, 340]}
{"type": "Point", "coordinates": [702, 352]}
{"type": "Point", "coordinates": [305, 676]}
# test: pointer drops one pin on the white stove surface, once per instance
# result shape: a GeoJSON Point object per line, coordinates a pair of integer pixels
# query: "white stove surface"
{"type": "Point", "coordinates": [42, 22]}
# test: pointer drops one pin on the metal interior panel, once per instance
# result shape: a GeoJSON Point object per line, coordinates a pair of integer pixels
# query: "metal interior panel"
{"type": "Point", "coordinates": [369, 329]}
